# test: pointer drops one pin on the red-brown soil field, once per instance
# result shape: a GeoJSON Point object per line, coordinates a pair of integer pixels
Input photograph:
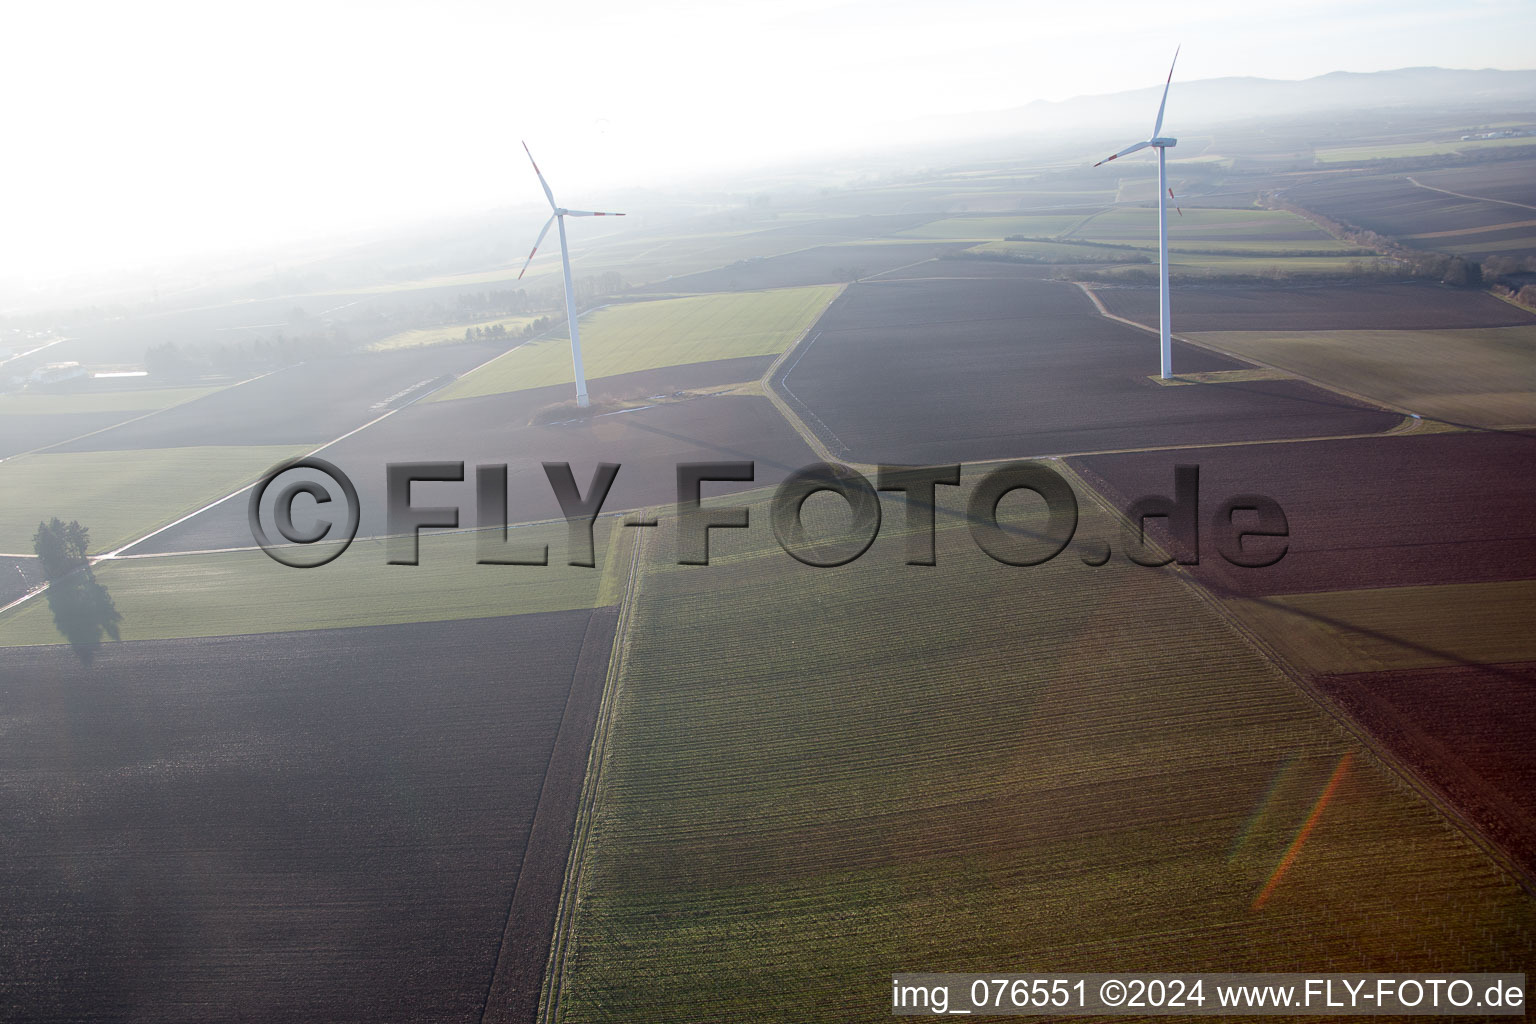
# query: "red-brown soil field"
{"type": "Point", "coordinates": [1364, 307]}
{"type": "Point", "coordinates": [1467, 731]}
{"type": "Point", "coordinates": [1367, 512]}
{"type": "Point", "coordinates": [1512, 181]}
{"type": "Point", "coordinates": [968, 370]}
{"type": "Point", "coordinates": [826, 264]}
{"type": "Point", "coordinates": [307, 403]}
{"type": "Point", "coordinates": [646, 443]}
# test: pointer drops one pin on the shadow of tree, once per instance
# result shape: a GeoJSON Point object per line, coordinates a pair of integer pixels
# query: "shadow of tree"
{"type": "Point", "coordinates": [83, 612]}
{"type": "Point", "coordinates": [82, 609]}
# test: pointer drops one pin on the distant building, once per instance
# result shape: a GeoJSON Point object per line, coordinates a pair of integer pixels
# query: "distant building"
{"type": "Point", "coordinates": [54, 373]}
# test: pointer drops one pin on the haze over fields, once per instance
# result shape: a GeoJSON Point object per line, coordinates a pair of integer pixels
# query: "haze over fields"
{"type": "Point", "coordinates": [1090, 668]}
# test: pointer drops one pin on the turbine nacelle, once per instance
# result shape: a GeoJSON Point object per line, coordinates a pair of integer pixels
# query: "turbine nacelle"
{"type": "Point", "coordinates": [1163, 143]}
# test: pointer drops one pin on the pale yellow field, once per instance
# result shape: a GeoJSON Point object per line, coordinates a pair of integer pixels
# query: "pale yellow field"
{"type": "Point", "coordinates": [1481, 623]}
{"type": "Point", "coordinates": [650, 335]}
{"type": "Point", "coordinates": [1481, 376]}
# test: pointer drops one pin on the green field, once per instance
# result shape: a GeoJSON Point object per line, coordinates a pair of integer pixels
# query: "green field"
{"type": "Point", "coordinates": [1483, 376]}
{"type": "Point", "coordinates": [1191, 257]}
{"type": "Point", "coordinates": [650, 335]}
{"type": "Point", "coordinates": [1264, 227]}
{"type": "Point", "coordinates": [449, 334]}
{"type": "Point", "coordinates": [122, 495]}
{"type": "Point", "coordinates": [987, 228]}
{"type": "Point", "coordinates": [1061, 252]}
{"type": "Point", "coordinates": [1356, 154]}
{"type": "Point", "coordinates": [816, 777]}
{"type": "Point", "coordinates": [242, 592]}
{"type": "Point", "coordinates": [35, 403]}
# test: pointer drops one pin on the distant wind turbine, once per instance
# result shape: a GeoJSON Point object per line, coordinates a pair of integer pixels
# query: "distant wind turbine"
{"type": "Point", "coordinates": [1164, 193]}
{"type": "Point", "coordinates": [565, 258]}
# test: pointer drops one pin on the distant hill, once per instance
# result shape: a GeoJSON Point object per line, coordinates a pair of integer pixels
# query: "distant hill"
{"type": "Point", "coordinates": [1220, 100]}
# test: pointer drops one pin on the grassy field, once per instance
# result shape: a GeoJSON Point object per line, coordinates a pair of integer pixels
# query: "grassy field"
{"type": "Point", "coordinates": [35, 403]}
{"type": "Point", "coordinates": [1483, 376]}
{"type": "Point", "coordinates": [1471, 623]}
{"type": "Point", "coordinates": [649, 335]}
{"type": "Point", "coordinates": [1357, 154]}
{"type": "Point", "coordinates": [244, 592]}
{"type": "Point", "coordinates": [816, 777]}
{"type": "Point", "coordinates": [447, 335]}
{"type": "Point", "coordinates": [1062, 252]}
{"type": "Point", "coordinates": [987, 228]}
{"type": "Point", "coordinates": [121, 495]}
{"type": "Point", "coordinates": [1261, 226]}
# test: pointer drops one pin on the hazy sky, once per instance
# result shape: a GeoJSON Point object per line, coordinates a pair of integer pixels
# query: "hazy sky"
{"type": "Point", "coordinates": [139, 131]}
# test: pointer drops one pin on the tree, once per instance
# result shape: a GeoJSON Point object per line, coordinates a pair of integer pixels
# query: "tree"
{"type": "Point", "coordinates": [61, 547]}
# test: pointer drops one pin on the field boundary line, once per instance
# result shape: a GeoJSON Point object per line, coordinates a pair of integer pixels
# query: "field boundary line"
{"type": "Point", "coordinates": [1463, 195]}
{"type": "Point", "coordinates": [514, 990]}
{"type": "Point", "coordinates": [1226, 612]}
{"type": "Point", "coordinates": [118, 552]}
{"type": "Point", "coordinates": [907, 266]}
{"type": "Point", "coordinates": [777, 369]}
{"type": "Point", "coordinates": [597, 755]}
{"type": "Point", "coordinates": [141, 416]}
{"type": "Point", "coordinates": [1343, 392]}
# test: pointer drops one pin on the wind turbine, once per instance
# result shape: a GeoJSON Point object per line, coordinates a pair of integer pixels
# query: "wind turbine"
{"type": "Point", "coordinates": [565, 258]}
{"type": "Point", "coordinates": [1162, 145]}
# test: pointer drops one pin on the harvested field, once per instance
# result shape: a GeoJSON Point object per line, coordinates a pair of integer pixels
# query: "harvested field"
{"type": "Point", "coordinates": [1386, 628]}
{"type": "Point", "coordinates": [785, 816]}
{"type": "Point", "coordinates": [322, 826]}
{"type": "Point", "coordinates": [23, 433]}
{"type": "Point", "coordinates": [1511, 181]}
{"type": "Point", "coordinates": [120, 495]}
{"type": "Point", "coordinates": [1385, 307]}
{"type": "Point", "coordinates": [1483, 377]}
{"type": "Point", "coordinates": [646, 442]}
{"type": "Point", "coordinates": [968, 370]}
{"type": "Point", "coordinates": [17, 576]}
{"type": "Point", "coordinates": [650, 335]}
{"type": "Point", "coordinates": [1393, 205]}
{"type": "Point", "coordinates": [826, 264]}
{"type": "Point", "coordinates": [957, 267]}
{"type": "Point", "coordinates": [1372, 512]}
{"type": "Point", "coordinates": [1467, 731]}
{"type": "Point", "coordinates": [305, 404]}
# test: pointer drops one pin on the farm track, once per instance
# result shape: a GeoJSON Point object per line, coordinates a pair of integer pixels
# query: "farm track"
{"type": "Point", "coordinates": [513, 995]}
{"type": "Point", "coordinates": [185, 516]}
{"type": "Point", "coordinates": [547, 1006]}
{"type": "Point", "coordinates": [1393, 760]}
{"type": "Point", "coordinates": [1352, 396]}
{"type": "Point", "coordinates": [1463, 195]}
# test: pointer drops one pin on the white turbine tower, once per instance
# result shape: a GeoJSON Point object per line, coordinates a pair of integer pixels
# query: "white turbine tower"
{"type": "Point", "coordinates": [1162, 145]}
{"type": "Point", "coordinates": [565, 258]}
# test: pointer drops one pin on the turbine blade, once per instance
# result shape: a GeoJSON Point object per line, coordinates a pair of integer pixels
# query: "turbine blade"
{"type": "Point", "coordinates": [547, 225]}
{"type": "Point", "coordinates": [590, 213]}
{"type": "Point", "coordinates": [547, 193]}
{"type": "Point", "coordinates": [1124, 152]}
{"type": "Point", "coordinates": [1159, 125]}
{"type": "Point", "coordinates": [1175, 203]}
